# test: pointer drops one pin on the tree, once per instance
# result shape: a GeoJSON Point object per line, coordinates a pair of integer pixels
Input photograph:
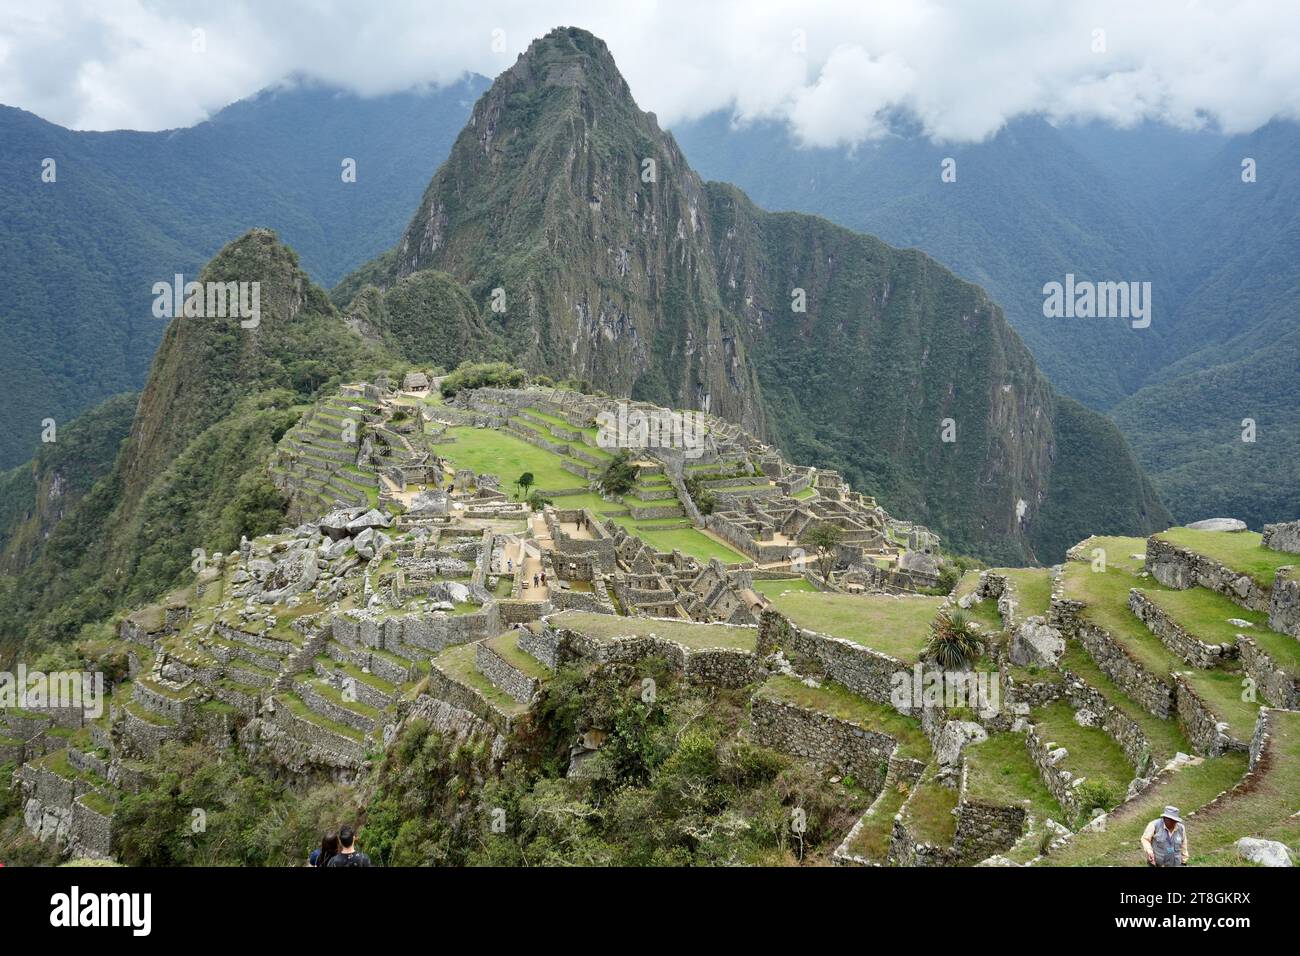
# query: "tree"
{"type": "Point", "coordinates": [619, 476]}
{"type": "Point", "coordinates": [825, 538]}
{"type": "Point", "coordinates": [524, 482]}
{"type": "Point", "coordinates": [536, 501]}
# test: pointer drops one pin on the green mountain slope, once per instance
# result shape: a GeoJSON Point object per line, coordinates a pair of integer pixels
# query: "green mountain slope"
{"type": "Point", "coordinates": [129, 209]}
{"type": "Point", "coordinates": [191, 473]}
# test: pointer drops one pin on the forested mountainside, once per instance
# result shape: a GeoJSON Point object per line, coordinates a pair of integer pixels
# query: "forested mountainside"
{"type": "Point", "coordinates": [1151, 203]}
{"type": "Point", "coordinates": [128, 209]}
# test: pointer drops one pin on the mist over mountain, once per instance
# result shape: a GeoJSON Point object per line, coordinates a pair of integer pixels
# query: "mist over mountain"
{"type": "Point", "coordinates": [130, 209]}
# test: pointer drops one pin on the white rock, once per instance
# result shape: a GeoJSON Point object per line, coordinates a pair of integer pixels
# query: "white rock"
{"type": "Point", "coordinates": [1218, 524]}
{"type": "Point", "coordinates": [1036, 643]}
{"type": "Point", "coordinates": [1264, 852]}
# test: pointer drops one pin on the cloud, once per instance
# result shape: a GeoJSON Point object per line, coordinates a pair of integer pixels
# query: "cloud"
{"type": "Point", "coordinates": [833, 71]}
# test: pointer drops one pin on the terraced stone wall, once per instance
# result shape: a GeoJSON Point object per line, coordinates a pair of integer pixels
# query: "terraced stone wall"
{"type": "Point", "coordinates": [866, 672]}
{"type": "Point", "coordinates": [1179, 568]}
{"type": "Point", "coordinates": [823, 739]}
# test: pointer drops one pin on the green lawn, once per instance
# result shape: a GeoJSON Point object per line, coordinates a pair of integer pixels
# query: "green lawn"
{"type": "Point", "coordinates": [1034, 588]}
{"type": "Point", "coordinates": [692, 542]}
{"type": "Point", "coordinates": [606, 627]}
{"type": "Point", "coordinates": [774, 586]}
{"type": "Point", "coordinates": [1092, 754]}
{"type": "Point", "coordinates": [507, 456]}
{"type": "Point", "coordinates": [1118, 551]}
{"type": "Point", "coordinates": [1238, 550]}
{"type": "Point", "coordinates": [999, 771]}
{"type": "Point", "coordinates": [898, 626]}
{"type": "Point", "coordinates": [838, 701]}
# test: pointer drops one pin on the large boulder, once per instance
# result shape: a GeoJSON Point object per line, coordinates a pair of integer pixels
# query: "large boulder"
{"type": "Point", "coordinates": [370, 542]}
{"type": "Point", "coordinates": [953, 738]}
{"type": "Point", "coordinates": [335, 524]}
{"type": "Point", "coordinates": [1036, 643]}
{"type": "Point", "coordinates": [296, 573]}
{"type": "Point", "coordinates": [1218, 524]}
{"type": "Point", "coordinates": [1264, 852]}
{"type": "Point", "coordinates": [374, 518]}
{"type": "Point", "coordinates": [918, 562]}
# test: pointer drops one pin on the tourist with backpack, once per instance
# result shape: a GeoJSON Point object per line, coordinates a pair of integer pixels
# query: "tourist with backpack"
{"type": "Point", "coordinates": [348, 854]}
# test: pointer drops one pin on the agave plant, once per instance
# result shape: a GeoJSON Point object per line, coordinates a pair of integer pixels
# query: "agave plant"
{"type": "Point", "coordinates": [954, 641]}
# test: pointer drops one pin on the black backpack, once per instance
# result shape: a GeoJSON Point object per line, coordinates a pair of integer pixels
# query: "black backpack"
{"type": "Point", "coordinates": [352, 859]}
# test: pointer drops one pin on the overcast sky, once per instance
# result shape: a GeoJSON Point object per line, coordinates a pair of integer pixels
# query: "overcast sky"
{"type": "Point", "coordinates": [831, 69]}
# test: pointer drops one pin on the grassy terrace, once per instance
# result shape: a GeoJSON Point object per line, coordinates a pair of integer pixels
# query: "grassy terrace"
{"type": "Point", "coordinates": [507, 647]}
{"type": "Point", "coordinates": [898, 626]}
{"type": "Point", "coordinates": [928, 813]}
{"type": "Point", "coordinates": [332, 694]}
{"type": "Point", "coordinates": [838, 701]}
{"type": "Point", "coordinates": [502, 454]}
{"type": "Point", "coordinates": [459, 663]}
{"type": "Point", "coordinates": [1106, 596]}
{"type": "Point", "coordinates": [984, 612]}
{"type": "Point", "coordinates": [605, 627]}
{"type": "Point", "coordinates": [589, 430]}
{"type": "Point", "coordinates": [689, 541]}
{"type": "Point", "coordinates": [1119, 551]}
{"type": "Point", "coordinates": [774, 586]}
{"type": "Point", "coordinates": [1092, 753]}
{"type": "Point", "coordinates": [1206, 614]}
{"type": "Point", "coordinates": [357, 674]}
{"type": "Point", "coordinates": [1266, 810]}
{"type": "Point", "coordinates": [1188, 789]}
{"type": "Point", "coordinates": [1238, 550]}
{"type": "Point", "coordinates": [872, 840]}
{"type": "Point", "coordinates": [298, 707]}
{"type": "Point", "coordinates": [1034, 588]}
{"type": "Point", "coordinates": [1166, 736]}
{"type": "Point", "coordinates": [999, 771]}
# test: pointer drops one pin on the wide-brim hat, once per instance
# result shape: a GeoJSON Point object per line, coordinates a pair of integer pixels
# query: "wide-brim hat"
{"type": "Point", "coordinates": [1171, 813]}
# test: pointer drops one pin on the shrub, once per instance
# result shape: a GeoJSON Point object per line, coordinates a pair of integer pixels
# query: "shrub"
{"type": "Point", "coordinates": [954, 641]}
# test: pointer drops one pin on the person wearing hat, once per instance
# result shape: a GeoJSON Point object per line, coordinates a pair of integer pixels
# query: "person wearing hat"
{"type": "Point", "coordinates": [1165, 840]}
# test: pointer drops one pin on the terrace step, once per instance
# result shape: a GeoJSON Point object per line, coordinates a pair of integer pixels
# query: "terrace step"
{"type": "Point", "coordinates": [364, 687]}
{"type": "Point", "coordinates": [327, 741]}
{"type": "Point", "coordinates": [510, 668]}
{"type": "Point", "coordinates": [326, 700]}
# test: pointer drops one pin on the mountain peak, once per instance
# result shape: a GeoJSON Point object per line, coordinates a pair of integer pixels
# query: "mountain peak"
{"type": "Point", "coordinates": [570, 56]}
